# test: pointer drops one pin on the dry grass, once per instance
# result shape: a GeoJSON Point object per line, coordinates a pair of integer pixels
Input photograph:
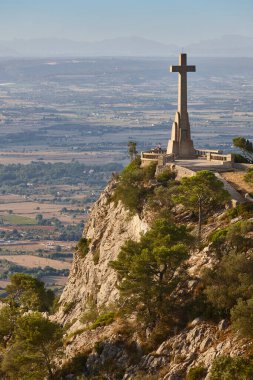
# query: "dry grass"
{"type": "Point", "coordinates": [31, 209]}
{"type": "Point", "coordinates": [29, 261]}
{"type": "Point", "coordinates": [237, 180]}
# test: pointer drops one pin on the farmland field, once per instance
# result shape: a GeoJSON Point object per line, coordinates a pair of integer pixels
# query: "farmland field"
{"type": "Point", "coordinates": [30, 261]}
{"type": "Point", "coordinates": [17, 219]}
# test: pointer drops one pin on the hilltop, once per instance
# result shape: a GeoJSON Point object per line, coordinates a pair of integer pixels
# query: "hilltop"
{"type": "Point", "coordinates": [201, 330]}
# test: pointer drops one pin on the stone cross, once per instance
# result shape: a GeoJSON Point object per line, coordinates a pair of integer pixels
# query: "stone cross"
{"type": "Point", "coordinates": [180, 143]}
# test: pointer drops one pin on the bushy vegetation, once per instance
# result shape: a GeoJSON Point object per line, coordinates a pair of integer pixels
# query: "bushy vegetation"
{"type": "Point", "coordinates": [245, 146]}
{"type": "Point", "coordinates": [229, 281]}
{"type": "Point", "coordinates": [103, 320]}
{"type": "Point", "coordinates": [249, 176]}
{"type": "Point", "coordinates": [239, 158]}
{"type": "Point", "coordinates": [29, 293]}
{"type": "Point", "coordinates": [35, 342]}
{"type": "Point", "coordinates": [196, 373]}
{"type": "Point", "coordinates": [29, 340]}
{"type": "Point", "coordinates": [148, 272]}
{"type": "Point", "coordinates": [138, 186]}
{"type": "Point", "coordinates": [135, 184]}
{"type": "Point", "coordinates": [227, 368]}
{"type": "Point", "coordinates": [202, 193]}
{"type": "Point", "coordinates": [83, 247]}
{"type": "Point", "coordinates": [242, 317]}
{"type": "Point", "coordinates": [232, 238]}
{"type": "Point", "coordinates": [243, 210]}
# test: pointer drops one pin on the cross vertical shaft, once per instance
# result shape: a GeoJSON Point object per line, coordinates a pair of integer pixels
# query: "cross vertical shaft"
{"type": "Point", "coordinates": [182, 85]}
{"type": "Point", "coordinates": [181, 143]}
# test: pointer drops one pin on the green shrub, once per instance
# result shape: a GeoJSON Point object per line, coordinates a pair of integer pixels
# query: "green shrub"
{"type": "Point", "coordinates": [68, 307]}
{"type": "Point", "coordinates": [75, 366]}
{"type": "Point", "coordinates": [103, 320]}
{"type": "Point", "coordinates": [242, 318]}
{"type": "Point", "coordinates": [160, 203]}
{"type": "Point", "coordinates": [245, 210]}
{"type": "Point", "coordinates": [98, 347]}
{"type": "Point", "coordinates": [73, 335]}
{"type": "Point", "coordinates": [196, 373]}
{"type": "Point", "coordinates": [227, 368]}
{"type": "Point", "coordinates": [229, 281]}
{"type": "Point", "coordinates": [96, 256]}
{"type": "Point", "coordinates": [90, 315]}
{"type": "Point", "coordinates": [165, 177]}
{"type": "Point", "coordinates": [249, 176]}
{"type": "Point", "coordinates": [146, 272]}
{"type": "Point", "coordinates": [83, 246]}
{"type": "Point", "coordinates": [232, 238]}
{"type": "Point", "coordinates": [134, 185]}
{"type": "Point", "coordinates": [238, 158]}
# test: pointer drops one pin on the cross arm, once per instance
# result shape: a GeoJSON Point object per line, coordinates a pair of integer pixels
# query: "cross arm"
{"type": "Point", "coordinates": [179, 69]}
{"type": "Point", "coordinates": [174, 69]}
{"type": "Point", "coordinates": [191, 69]}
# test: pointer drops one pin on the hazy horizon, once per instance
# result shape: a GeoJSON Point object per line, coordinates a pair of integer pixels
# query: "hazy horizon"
{"type": "Point", "coordinates": [165, 21]}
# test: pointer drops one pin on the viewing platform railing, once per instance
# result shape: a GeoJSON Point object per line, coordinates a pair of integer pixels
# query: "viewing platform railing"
{"type": "Point", "coordinates": [160, 157]}
{"type": "Point", "coordinates": [214, 155]}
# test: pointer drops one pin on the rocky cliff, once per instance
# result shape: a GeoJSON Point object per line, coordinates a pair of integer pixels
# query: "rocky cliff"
{"type": "Point", "coordinates": [91, 279]}
{"type": "Point", "coordinates": [117, 349]}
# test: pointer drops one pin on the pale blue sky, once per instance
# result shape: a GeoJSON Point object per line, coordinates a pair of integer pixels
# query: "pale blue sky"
{"type": "Point", "coordinates": [169, 21]}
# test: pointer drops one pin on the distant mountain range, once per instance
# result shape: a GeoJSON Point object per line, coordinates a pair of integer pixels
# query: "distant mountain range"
{"type": "Point", "coordinates": [226, 46]}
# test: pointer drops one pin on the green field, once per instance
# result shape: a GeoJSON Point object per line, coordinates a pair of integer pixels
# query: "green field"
{"type": "Point", "coordinates": [17, 219]}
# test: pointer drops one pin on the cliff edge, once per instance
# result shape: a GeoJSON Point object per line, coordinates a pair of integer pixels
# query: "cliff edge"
{"type": "Point", "coordinates": [91, 280]}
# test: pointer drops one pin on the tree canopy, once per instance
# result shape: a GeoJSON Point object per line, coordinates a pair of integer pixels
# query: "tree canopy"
{"type": "Point", "coordinates": [148, 271]}
{"type": "Point", "coordinates": [29, 293]}
{"type": "Point", "coordinates": [35, 343]}
{"type": "Point", "coordinates": [245, 146]}
{"type": "Point", "coordinates": [201, 193]}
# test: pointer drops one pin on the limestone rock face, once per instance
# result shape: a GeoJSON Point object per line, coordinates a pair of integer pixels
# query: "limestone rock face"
{"type": "Point", "coordinates": [197, 345]}
{"type": "Point", "coordinates": [91, 278]}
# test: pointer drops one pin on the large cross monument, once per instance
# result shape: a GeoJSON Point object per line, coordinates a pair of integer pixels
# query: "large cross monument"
{"type": "Point", "coordinates": [180, 143]}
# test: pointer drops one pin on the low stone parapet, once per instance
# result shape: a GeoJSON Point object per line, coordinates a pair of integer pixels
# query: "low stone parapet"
{"type": "Point", "coordinates": [153, 157]}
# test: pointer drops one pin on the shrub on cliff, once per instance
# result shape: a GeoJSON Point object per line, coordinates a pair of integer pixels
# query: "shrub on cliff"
{"type": "Point", "coordinates": [165, 177]}
{"type": "Point", "coordinates": [150, 270]}
{"type": "Point", "coordinates": [202, 193]}
{"type": "Point", "coordinates": [229, 281]}
{"type": "Point", "coordinates": [134, 185]}
{"type": "Point", "coordinates": [227, 368]}
{"type": "Point", "coordinates": [197, 373]}
{"type": "Point", "coordinates": [83, 246]}
{"type": "Point", "coordinates": [244, 210]}
{"type": "Point", "coordinates": [232, 238]}
{"type": "Point", "coordinates": [242, 318]}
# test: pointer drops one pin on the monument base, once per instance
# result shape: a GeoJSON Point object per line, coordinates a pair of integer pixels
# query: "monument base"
{"type": "Point", "coordinates": [183, 149]}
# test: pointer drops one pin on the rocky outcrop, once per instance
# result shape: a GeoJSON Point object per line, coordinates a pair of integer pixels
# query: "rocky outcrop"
{"type": "Point", "coordinates": [91, 279]}
{"type": "Point", "coordinates": [199, 344]}
{"type": "Point", "coordinates": [116, 348]}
